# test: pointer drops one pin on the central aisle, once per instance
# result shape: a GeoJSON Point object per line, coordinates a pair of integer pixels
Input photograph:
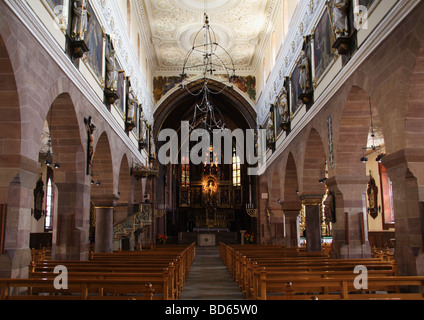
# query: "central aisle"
{"type": "Point", "coordinates": [209, 279]}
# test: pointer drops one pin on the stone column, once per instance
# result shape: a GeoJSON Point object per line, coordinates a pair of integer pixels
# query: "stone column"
{"type": "Point", "coordinates": [104, 229]}
{"type": "Point", "coordinates": [350, 239]}
{"type": "Point", "coordinates": [312, 205]}
{"type": "Point", "coordinates": [18, 196]}
{"type": "Point", "coordinates": [242, 232]}
{"type": "Point", "coordinates": [292, 222]}
{"type": "Point", "coordinates": [104, 223]}
{"type": "Point", "coordinates": [71, 225]}
{"type": "Point", "coordinates": [406, 171]}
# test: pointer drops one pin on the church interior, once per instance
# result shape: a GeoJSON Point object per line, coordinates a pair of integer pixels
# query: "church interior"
{"type": "Point", "coordinates": [283, 136]}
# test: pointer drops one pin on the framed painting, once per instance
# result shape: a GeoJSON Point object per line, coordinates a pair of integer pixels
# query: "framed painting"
{"type": "Point", "coordinates": [295, 90]}
{"type": "Point", "coordinates": [161, 85]}
{"type": "Point", "coordinates": [366, 3]}
{"type": "Point", "coordinates": [237, 196]}
{"type": "Point", "coordinates": [323, 45]}
{"type": "Point", "coordinates": [121, 90]}
{"type": "Point", "coordinates": [224, 196]}
{"type": "Point", "coordinates": [95, 41]}
{"type": "Point", "coordinates": [184, 197]}
{"type": "Point", "coordinates": [54, 6]}
{"type": "Point", "coordinates": [269, 126]}
{"type": "Point", "coordinates": [196, 196]}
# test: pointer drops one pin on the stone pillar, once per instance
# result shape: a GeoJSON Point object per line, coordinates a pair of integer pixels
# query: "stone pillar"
{"type": "Point", "coordinates": [350, 238]}
{"type": "Point", "coordinates": [72, 223]}
{"type": "Point", "coordinates": [104, 229]}
{"type": "Point", "coordinates": [406, 171]}
{"type": "Point", "coordinates": [242, 232]}
{"type": "Point", "coordinates": [18, 196]}
{"type": "Point", "coordinates": [104, 223]}
{"type": "Point", "coordinates": [312, 205]}
{"type": "Point", "coordinates": [292, 222]}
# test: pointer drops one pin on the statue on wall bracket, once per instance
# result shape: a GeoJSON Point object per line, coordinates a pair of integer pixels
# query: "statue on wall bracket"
{"type": "Point", "coordinates": [284, 110]}
{"type": "Point", "coordinates": [142, 134]}
{"type": "Point", "coordinates": [270, 129]}
{"type": "Point", "coordinates": [111, 84]}
{"type": "Point", "coordinates": [305, 73]}
{"type": "Point", "coordinates": [132, 105]}
{"type": "Point", "coordinates": [339, 12]}
{"type": "Point", "coordinates": [80, 18]}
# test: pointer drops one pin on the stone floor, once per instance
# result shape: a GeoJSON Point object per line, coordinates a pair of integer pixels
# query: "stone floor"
{"type": "Point", "coordinates": [209, 279]}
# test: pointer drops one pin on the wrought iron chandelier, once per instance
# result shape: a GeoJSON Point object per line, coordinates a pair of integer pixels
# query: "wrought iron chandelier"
{"type": "Point", "coordinates": [374, 143]}
{"type": "Point", "coordinates": [211, 59]}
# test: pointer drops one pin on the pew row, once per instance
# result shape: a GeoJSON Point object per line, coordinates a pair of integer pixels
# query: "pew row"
{"type": "Point", "coordinates": [157, 274]}
{"type": "Point", "coordinates": [264, 272]}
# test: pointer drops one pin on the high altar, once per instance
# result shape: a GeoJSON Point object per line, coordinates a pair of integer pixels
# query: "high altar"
{"type": "Point", "coordinates": [211, 202]}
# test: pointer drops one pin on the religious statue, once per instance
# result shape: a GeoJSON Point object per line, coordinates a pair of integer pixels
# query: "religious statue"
{"type": "Point", "coordinates": [329, 207]}
{"type": "Point", "coordinates": [90, 127]}
{"type": "Point", "coordinates": [143, 125]}
{"type": "Point", "coordinates": [152, 147]}
{"type": "Point", "coordinates": [111, 72]}
{"type": "Point", "coordinates": [79, 20]}
{"type": "Point", "coordinates": [372, 192]}
{"type": "Point", "coordinates": [340, 12]}
{"type": "Point", "coordinates": [38, 211]}
{"type": "Point", "coordinates": [283, 108]}
{"type": "Point", "coordinates": [131, 108]}
{"type": "Point", "coordinates": [305, 77]}
{"type": "Point", "coordinates": [270, 130]}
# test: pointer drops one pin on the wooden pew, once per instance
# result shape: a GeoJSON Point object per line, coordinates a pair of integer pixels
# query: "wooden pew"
{"type": "Point", "coordinates": [84, 289]}
{"type": "Point", "coordinates": [157, 274]}
{"type": "Point", "coordinates": [240, 264]}
{"type": "Point", "coordinates": [129, 262]}
{"type": "Point", "coordinates": [340, 289]}
{"type": "Point", "coordinates": [270, 272]}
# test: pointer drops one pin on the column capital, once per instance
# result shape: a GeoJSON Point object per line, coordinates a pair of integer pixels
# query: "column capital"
{"type": "Point", "coordinates": [311, 199]}
{"type": "Point", "coordinates": [403, 157]}
{"type": "Point", "coordinates": [105, 201]}
{"type": "Point", "coordinates": [346, 180]}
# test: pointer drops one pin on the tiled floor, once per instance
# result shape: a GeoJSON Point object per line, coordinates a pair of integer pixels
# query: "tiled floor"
{"type": "Point", "coordinates": [209, 279]}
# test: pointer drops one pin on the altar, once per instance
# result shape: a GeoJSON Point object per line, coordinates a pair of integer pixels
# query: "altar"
{"type": "Point", "coordinates": [206, 239]}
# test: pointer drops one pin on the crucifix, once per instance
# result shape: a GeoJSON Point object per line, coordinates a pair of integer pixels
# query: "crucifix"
{"type": "Point", "coordinates": [89, 125]}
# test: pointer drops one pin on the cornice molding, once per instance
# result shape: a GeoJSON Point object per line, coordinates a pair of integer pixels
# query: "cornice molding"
{"type": "Point", "coordinates": [29, 19]}
{"type": "Point", "coordinates": [396, 15]}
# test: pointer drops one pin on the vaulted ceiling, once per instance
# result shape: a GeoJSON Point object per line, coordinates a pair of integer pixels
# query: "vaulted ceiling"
{"type": "Point", "coordinates": [240, 27]}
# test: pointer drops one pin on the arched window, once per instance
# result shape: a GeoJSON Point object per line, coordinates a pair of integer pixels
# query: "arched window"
{"type": "Point", "coordinates": [48, 221]}
{"type": "Point", "coordinates": [129, 17]}
{"type": "Point", "coordinates": [236, 169]}
{"type": "Point", "coordinates": [185, 175]}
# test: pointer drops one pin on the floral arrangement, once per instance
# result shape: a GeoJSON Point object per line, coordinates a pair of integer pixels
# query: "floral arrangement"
{"type": "Point", "coordinates": [161, 238]}
{"type": "Point", "coordinates": [249, 237]}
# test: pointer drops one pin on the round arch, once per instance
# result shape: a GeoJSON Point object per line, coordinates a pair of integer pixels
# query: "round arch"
{"type": "Point", "coordinates": [175, 105]}
{"type": "Point", "coordinates": [314, 164]}
{"type": "Point", "coordinates": [102, 191]}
